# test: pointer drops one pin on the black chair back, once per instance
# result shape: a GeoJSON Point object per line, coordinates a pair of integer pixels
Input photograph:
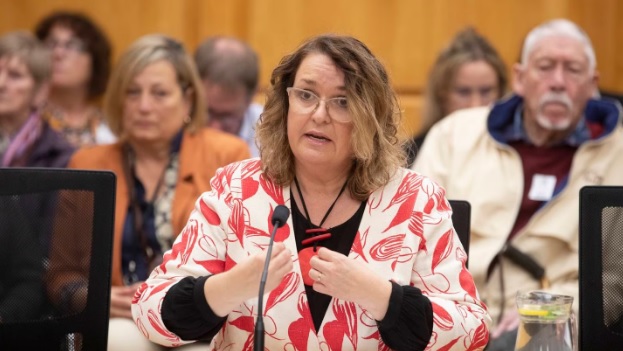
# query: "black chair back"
{"type": "Point", "coordinates": [49, 216]}
{"type": "Point", "coordinates": [601, 268]}
{"type": "Point", "coordinates": [461, 219]}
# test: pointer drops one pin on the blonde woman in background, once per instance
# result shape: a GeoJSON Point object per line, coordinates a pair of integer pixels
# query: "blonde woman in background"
{"type": "Point", "coordinates": [164, 160]}
{"type": "Point", "coordinates": [467, 73]}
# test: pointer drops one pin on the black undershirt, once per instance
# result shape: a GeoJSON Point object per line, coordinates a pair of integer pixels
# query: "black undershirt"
{"type": "Point", "coordinates": [341, 240]}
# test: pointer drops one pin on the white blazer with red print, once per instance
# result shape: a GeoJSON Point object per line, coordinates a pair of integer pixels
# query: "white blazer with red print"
{"type": "Point", "coordinates": [405, 234]}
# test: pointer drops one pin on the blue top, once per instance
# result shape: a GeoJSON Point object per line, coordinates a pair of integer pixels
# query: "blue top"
{"type": "Point", "coordinates": [134, 263]}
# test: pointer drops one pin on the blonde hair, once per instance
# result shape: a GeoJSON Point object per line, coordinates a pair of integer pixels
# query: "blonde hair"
{"type": "Point", "coordinates": [28, 49]}
{"type": "Point", "coordinates": [142, 53]}
{"type": "Point", "coordinates": [467, 46]}
{"type": "Point", "coordinates": [378, 152]}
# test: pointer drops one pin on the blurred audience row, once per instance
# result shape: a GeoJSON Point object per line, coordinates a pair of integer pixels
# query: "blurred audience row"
{"type": "Point", "coordinates": [149, 129]}
{"type": "Point", "coordinates": [148, 120]}
{"type": "Point", "coordinates": [72, 85]}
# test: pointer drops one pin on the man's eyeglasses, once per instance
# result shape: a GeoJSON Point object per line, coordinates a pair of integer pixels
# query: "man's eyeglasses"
{"type": "Point", "coordinates": [74, 45]}
{"type": "Point", "coordinates": [304, 101]}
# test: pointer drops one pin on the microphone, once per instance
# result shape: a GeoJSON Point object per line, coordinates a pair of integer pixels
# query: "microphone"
{"type": "Point", "coordinates": [280, 216]}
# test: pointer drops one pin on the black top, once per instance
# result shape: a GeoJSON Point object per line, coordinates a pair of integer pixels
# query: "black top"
{"type": "Point", "coordinates": [413, 146]}
{"type": "Point", "coordinates": [134, 262]}
{"type": "Point", "coordinates": [408, 323]}
{"type": "Point", "coordinates": [341, 241]}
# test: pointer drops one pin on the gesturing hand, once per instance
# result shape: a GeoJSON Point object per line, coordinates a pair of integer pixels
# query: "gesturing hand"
{"type": "Point", "coordinates": [341, 277]}
{"type": "Point", "coordinates": [280, 264]}
{"type": "Point", "coordinates": [228, 290]}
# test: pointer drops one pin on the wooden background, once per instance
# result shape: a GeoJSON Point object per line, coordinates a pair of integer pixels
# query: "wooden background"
{"type": "Point", "coordinates": [405, 34]}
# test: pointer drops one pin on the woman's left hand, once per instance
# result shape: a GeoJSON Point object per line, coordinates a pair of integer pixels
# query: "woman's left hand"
{"type": "Point", "coordinates": [341, 277]}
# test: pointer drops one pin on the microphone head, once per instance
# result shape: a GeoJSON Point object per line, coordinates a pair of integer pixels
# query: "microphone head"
{"type": "Point", "coordinates": [280, 216]}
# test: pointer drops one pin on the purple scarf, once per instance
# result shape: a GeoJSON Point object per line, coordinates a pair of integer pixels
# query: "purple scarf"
{"type": "Point", "coordinates": [22, 142]}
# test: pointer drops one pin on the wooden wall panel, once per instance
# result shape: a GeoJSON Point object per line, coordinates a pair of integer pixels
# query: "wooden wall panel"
{"type": "Point", "coordinates": [124, 21]}
{"type": "Point", "coordinates": [603, 25]}
{"type": "Point", "coordinates": [229, 17]}
{"type": "Point", "coordinates": [406, 35]}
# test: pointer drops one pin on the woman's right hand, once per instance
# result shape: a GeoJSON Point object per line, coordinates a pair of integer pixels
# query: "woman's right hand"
{"type": "Point", "coordinates": [280, 265]}
{"type": "Point", "coordinates": [227, 290]}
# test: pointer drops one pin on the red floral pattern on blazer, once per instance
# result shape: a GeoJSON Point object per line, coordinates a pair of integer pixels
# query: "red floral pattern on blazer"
{"type": "Point", "coordinates": [406, 234]}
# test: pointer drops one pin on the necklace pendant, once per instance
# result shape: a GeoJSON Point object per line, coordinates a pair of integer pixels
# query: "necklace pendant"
{"type": "Point", "coordinates": [305, 257]}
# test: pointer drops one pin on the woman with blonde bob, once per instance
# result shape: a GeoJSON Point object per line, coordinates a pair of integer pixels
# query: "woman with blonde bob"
{"type": "Point", "coordinates": [163, 160]}
{"type": "Point", "coordinates": [368, 254]}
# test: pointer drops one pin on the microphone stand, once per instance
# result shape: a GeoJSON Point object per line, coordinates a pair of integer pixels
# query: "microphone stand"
{"type": "Point", "coordinates": [279, 219]}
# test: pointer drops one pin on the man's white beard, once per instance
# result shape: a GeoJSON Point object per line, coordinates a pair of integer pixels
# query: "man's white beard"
{"type": "Point", "coordinates": [557, 124]}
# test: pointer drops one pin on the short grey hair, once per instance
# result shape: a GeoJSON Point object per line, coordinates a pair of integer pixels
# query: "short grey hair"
{"type": "Point", "coordinates": [562, 27]}
{"type": "Point", "coordinates": [228, 62]}
{"type": "Point", "coordinates": [28, 49]}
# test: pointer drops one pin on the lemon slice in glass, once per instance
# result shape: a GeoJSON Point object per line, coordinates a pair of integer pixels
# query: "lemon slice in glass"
{"type": "Point", "coordinates": [533, 312]}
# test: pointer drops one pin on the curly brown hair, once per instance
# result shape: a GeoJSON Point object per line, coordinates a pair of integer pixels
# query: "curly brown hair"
{"type": "Point", "coordinates": [97, 44]}
{"type": "Point", "coordinates": [372, 102]}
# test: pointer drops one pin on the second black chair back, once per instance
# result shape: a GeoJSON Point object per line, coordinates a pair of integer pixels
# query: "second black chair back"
{"type": "Point", "coordinates": [601, 268]}
{"type": "Point", "coordinates": [51, 218]}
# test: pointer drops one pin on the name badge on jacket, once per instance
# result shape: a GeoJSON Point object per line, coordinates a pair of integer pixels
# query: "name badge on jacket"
{"type": "Point", "coordinates": [542, 188]}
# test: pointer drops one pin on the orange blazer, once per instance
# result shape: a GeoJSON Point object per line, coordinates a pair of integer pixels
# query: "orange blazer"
{"type": "Point", "coordinates": [201, 154]}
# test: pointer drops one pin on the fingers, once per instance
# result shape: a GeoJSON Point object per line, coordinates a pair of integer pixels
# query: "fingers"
{"type": "Point", "coordinates": [316, 275]}
{"type": "Point", "coordinates": [280, 254]}
{"type": "Point", "coordinates": [328, 255]}
{"type": "Point", "coordinates": [277, 249]}
{"type": "Point", "coordinates": [116, 312]}
{"type": "Point", "coordinates": [320, 279]}
{"type": "Point", "coordinates": [280, 265]}
{"type": "Point", "coordinates": [258, 260]}
{"type": "Point", "coordinates": [323, 260]}
{"type": "Point", "coordinates": [323, 264]}
{"type": "Point", "coordinates": [121, 302]}
{"type": "Point", "coordinates": [281, 257]}
{"type": "Point", "coordinates": [124, 290]}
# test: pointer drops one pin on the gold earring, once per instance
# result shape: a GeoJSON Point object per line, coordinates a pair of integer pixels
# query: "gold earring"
{"type": "Point", "coordinates": [187, 120]}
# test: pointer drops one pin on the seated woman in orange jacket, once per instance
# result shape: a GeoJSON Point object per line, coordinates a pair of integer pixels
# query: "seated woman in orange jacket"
{"type": "Point", "coordinates": [164, 160]}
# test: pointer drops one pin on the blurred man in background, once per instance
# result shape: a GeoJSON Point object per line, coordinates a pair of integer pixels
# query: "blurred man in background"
{"type": "Point", "coordinates": [229, 69]}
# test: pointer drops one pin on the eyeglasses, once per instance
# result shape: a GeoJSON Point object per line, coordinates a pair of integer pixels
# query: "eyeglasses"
{"type": "Point", "coordinates": [73, 45]}
{"type": "Point", "coordinates": [304, 101]}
